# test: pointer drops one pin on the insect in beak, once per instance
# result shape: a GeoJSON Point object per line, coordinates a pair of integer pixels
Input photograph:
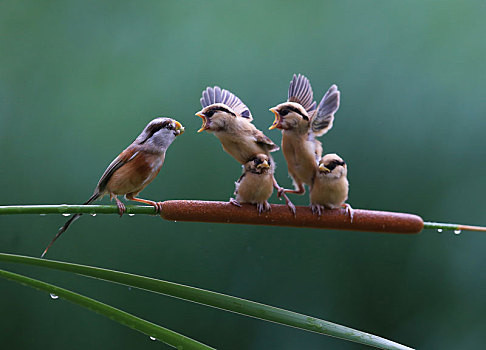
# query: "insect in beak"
{"type": "Point", "coordinates": [205, 124]}
{"type": "Point", "coordinates": [179, 128]}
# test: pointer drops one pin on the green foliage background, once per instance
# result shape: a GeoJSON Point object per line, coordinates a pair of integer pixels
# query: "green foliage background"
{"type": "Point", "coordinates": [79, 80]}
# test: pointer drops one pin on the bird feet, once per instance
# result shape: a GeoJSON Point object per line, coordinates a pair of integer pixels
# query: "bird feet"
{"type": "Point", "coordinates": [121, 206]}
{"type": "Point", "coordinates": [348, 210]}
{"type": "Point", "coordinates": [262, 207]}
{"type": "Point", "coordinates": [235, 202]}
{"type": "Point", "coordinates": [317, 209]}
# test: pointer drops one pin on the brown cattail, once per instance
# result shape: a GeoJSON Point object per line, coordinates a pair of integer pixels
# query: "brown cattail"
{"type": "Point", "coordinates": [338, 219]}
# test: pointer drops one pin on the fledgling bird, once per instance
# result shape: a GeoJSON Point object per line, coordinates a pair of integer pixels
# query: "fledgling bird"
{"type": "Point", "coordinates": [134, 168]}
{"type": "Point", "coordinates": [229, 119]}
{"type": "Point", "coordinates": [330, 188]}
{"type": "Point", "coordinates": [301, 122]}
{"type": "Point", "coordinates": [255, 185]}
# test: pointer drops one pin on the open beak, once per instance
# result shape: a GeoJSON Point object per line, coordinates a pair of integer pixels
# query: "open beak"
{"type": "Point", "coordinates": [324, 169]}
{"type": "Point", "coordinates": [205, 124]}
{"type": "Point", "coordinates": [263, 165]}
{"type": "Point", "coordinates": [276, 123]}
{"type": "Point", "coordinates": [179, 129]}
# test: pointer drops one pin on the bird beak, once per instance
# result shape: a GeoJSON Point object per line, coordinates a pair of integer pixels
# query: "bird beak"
{"type": "Point", "coordinates": [324, 169]}
{"type": "Point", "coordinates": [205, 124]}
{"type": "Point", "coordinates": [264, 165]}
{"type": "Point", "coordinates": [179, 128]}
{"type": "Point", "coordinates": [276, 123]}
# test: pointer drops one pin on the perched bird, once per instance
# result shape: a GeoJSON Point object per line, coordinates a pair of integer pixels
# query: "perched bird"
{"type": "Point", "coordinates": [134, 168]}
{"type": "Point", "coordinates": [330, 188]}
{"type": "Point", "coordinates": [229, 119]}
{"type": "Point", "coordinates": [255, 185]}
{"type": "Point", "coordinates": [301, 122]}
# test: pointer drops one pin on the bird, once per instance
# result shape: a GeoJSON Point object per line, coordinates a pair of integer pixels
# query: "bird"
{"type": "Point", "coordinates": [230, 120]}
{"type": "Point", "coordinates": [134, 168]}
{"type": "Point", "coordinates": [301, 122]}
{"type": "Point", "coordinates": [330, 187]}
{"type": "Point", "coordinates": [255, 185]}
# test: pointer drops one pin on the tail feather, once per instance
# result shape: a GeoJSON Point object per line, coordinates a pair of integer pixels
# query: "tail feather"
{"type": "Point", "coordinates": [68, 223]}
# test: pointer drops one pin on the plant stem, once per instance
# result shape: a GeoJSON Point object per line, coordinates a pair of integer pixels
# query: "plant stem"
{"type": "Point", "coordinates": [224, 212]}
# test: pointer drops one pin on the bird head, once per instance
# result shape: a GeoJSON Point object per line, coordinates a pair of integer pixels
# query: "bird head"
{"type": "Point", "coordinates": [290, 116]}
{"type": "Point", "coordinates": [215, 116]}
{"type": "Point", "coordinates": [332, 166]}
{"type": "Point", "coordinates": [260, 164]}
{"type": "Point", "coordinates": [160, 132]}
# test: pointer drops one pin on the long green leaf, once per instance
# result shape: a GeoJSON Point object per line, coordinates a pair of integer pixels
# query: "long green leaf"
{"type": "Point", "coordinates": [151, 329]}
{"type": "Point", "coordinates": [217, 300]}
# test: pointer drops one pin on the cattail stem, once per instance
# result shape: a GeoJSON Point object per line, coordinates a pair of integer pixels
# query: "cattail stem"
{"type": "Point", "coordinates": [280, 215]}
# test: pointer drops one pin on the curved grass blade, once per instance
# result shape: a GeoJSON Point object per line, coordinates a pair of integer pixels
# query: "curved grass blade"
{"type": "Point", "coordinates": [217, 300]}
{"type": "Point", "coordinates": [151, 329]}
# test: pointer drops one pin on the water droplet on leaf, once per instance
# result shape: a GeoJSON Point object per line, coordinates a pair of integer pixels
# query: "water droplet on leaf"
{"type": "Point", "coordinates": [457, 232]}
{"type": "Point", "coordinates": [439, 230]}
{"type": "Point", "coordinates": [54, 296]}
{"type": "Point", "coordinates": [66, 214]}
{"type": "Point", "coordinates": [153, 338]}
{"type": "Point", "coordinates": [131, 214]}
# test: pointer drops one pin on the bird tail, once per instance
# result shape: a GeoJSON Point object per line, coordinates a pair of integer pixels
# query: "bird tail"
{"type": "Point", "coordinates": [68, 223]}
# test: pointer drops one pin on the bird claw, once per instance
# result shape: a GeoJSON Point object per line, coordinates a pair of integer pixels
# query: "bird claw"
{"type": "Point", "coordinates": [317, 209]}
{"type": "Point", "coordinates": [348, 210]}
{"type": "Point", "coordinates": [121, 208]}
{"type": "Point", "coordinates": [262, 207]}
{"type": "Point", "coordinates": [158, 207]}
{"type": "Point", "coordinates": [235, 202]}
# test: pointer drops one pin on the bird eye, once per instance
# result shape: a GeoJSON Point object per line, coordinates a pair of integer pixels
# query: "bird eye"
{"type": "Point", "coordinates": [209, 114]}
{"type": "Point", "coordinates": [170, 126]}
{"type": "Point", "coordinates": [284, 112]}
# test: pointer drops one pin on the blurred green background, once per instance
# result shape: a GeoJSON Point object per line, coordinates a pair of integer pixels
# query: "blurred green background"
{"type": "Point", "coordinates": [80, 80]}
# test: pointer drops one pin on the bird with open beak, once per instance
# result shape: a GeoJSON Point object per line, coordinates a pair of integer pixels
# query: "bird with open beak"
{"type": "Point", "coordinates": [330, 187]}
{"type": "Point", "coordinates": [301, 122]}
{"type": "Point", "coordinates": [230, 120]}
{"type": "Point", "coordinates": [255, 185]}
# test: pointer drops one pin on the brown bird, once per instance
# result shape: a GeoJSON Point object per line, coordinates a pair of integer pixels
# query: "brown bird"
{"type": "Point", "coordinates": [134, 168]}
{"type": "Point", "coordinates": [330, 187]}
{"type": "Point", "coordinates": [301, 123]}
{"type": "Point", "coordinates": [229, 119]}
{"type": "Point", "coordinates": [256, 183]}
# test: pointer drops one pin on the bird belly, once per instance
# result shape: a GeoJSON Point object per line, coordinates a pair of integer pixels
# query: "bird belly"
{"type": "Point", "coordinates": [329, 193]}
{"type": "Point", "coordinates": [255, 188]}
{"type": "Point", "coordinates": [133, 176]}
{"type": "Point", "coordinates": [300, 156]}
{"type": "Point", "coordinates": [240, 146]}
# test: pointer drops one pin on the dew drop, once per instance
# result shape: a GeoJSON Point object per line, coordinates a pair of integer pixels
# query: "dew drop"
{"type": "Point", "coordinates": [439, 230]}
{"type": "Point", "coordinates": [66, 214]}
{"type": "Point", "coordinates": [457, 232]}
{"type": "Point", "coordinates": [153, 338]}
{"type": "Point", "coordinates": [42, 214]}
{"type": "Point", "coordinates": [131, 214]}
{"type": "Point", "coordinates": [54, 296]}
{"type": "Point", "coordinates": [93, 215]}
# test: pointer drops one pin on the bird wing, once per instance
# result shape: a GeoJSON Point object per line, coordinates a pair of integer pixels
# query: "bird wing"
{"type": "Point", "coordinates": [322, 121]}
{"type": "Point", "coordinates": [123, 158]}
{"type": "Point", "coordinates": [215, 94]}
{"type": "Point", "coordinates": [300, 91]}
{"type": "Point", "coordinates": [264, 141]}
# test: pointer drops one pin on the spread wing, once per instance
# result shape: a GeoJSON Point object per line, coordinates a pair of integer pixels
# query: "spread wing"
{"type": "Point", "coordinates": [122, 159]}
{"type": "Point", "coordinates": [300, 91]}
{"type": "Point", "coordinates": [215, 94]}
{"type": "Point", "coordinates": [321, 123]}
